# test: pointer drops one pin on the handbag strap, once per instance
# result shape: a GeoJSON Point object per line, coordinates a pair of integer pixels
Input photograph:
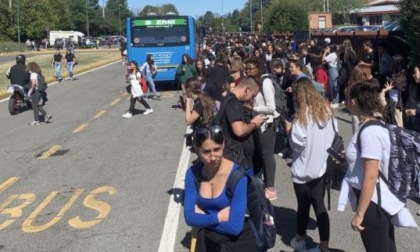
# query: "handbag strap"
{"type": "Point", "coordinates": [333, 124]}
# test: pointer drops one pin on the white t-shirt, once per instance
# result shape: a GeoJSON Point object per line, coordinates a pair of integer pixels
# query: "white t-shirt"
{"type": "Point", "coordinates": [34, 76]}
{"type": "Point", "coordinates": [375, 144]}
{"type": "Point", "coordinates": [135, 85]}
{"type": "Point", "coordinates": [310, 144]}
{"type": "Point", "coordinates": [331, 60]}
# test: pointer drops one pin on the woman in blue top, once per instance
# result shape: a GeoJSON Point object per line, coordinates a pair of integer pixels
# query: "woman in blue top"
{"type": "Point", "coordinates": [221, 220]}
{"type": "Point", "coordinates": [149, 70]}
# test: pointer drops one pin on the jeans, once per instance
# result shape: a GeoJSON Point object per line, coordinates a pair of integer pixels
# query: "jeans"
{"type": "Point", "coordinates": [70, 66]}
{"type": "Point", "coordinates": [35, 105]}
{"type": "Point", "coordinates": [151, 85]}
{"type": "Point", "coordinates": [57, 67]}
{"type": "Point", "coordinates": [333, 84]}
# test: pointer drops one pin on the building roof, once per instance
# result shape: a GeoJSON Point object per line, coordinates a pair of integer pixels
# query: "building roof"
{"type": "Point", "coordinates": [383, 2]}
{"type": "Point", "coordinates": [377, 9]}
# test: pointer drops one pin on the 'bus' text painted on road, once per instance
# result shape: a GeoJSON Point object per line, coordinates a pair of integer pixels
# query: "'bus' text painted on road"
{"type": "Point", "coordinates": [13, 208]}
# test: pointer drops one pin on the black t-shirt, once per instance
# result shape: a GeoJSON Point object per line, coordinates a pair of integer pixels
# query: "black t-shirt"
{"type": "Point", "coordinates": [369, 58]}
{"type": "Point", "coordinates": [198, 107]}
{"type": "Point", "coordinates": [69, 57]}
{"type": "Point", "coordinates": [57, 57]}
{"type": "Point", "coordinates": [237, 149]}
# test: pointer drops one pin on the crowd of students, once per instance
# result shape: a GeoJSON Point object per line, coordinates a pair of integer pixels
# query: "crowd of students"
{"type": "Point", "coordinates": [232, 107]}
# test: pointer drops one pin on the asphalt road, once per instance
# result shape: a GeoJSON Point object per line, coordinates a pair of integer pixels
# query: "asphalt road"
{"type": "Point", "coordinates": [93, 181]}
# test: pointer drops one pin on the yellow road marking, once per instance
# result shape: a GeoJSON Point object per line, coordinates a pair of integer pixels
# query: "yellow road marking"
{"type": "Point", "coordinates": [115, 101]}
{"type": "Point", "coordinates": [49, 152]}
{"type": "Point", "coordinates": [81, 128]}
{"type": "Point", "coordinates": [99, 114]}
{"type": "Point", "coordinates": [29, 226]}
{"type": "Point", "coordinates": [91, 202]}
{"type": "Point", "coordinates": [167, 95]}
{"type": "Point", "coordinates": [125, 94]}
{"type": "Point", "coordinates": [8, 183]}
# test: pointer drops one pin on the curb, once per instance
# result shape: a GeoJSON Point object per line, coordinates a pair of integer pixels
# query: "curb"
{"type": "Point", "coordinates": [50, 80]}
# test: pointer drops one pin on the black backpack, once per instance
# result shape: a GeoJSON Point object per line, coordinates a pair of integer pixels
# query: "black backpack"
{"type": "Point", "coordinates": [280, 97]}
{"type": "Point", "coordinates": [42, 84]}
{"type": "Point", "coordinates": [404, 162]}
{"type": "Point", "coordinates": [259, 208]}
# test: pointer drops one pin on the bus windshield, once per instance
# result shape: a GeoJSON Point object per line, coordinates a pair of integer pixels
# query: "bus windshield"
{"type": "Point", "coordinates": [160, 32]}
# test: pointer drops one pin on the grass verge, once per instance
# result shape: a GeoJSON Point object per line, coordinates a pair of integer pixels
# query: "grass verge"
{"type": "Point", "coordinates": [87, 60]}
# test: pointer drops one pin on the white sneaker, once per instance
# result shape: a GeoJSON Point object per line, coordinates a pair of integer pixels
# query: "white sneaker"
{"type": "Point", "coordinates": [335, 105]}
{"type": "Point", "coordinates": [148, 111]}
{"type": "Point", "coordinates": [299, 246]}
{"type": "Point", "coordinates": [127, 115]}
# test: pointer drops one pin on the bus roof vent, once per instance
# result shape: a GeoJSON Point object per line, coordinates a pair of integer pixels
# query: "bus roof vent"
{"type": "Point", "coordinates": [151, 14]}
{"type": "Point", "coordinates": [171, 13]}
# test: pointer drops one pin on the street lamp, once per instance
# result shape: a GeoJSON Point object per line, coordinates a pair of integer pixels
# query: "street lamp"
{"type": "Point", "coordinates": [119, 15]}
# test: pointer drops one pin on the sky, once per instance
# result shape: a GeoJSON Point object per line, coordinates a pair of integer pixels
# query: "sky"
{"type": "Point", "coordinates": [193, 7]}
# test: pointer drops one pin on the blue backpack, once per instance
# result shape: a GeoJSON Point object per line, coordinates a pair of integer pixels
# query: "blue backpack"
{"type": "Point", "coordinates": [404, 163]}
{"type": "Point", "coordinates": [259, 208]}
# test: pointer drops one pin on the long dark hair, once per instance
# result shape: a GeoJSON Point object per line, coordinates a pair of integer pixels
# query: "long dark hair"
{"type": "Point", "coordinates": [149, 60]}
{"type": "Point", "coordinates": [189, 60]}
{"type": "Point", "coordinates": [193, 87]}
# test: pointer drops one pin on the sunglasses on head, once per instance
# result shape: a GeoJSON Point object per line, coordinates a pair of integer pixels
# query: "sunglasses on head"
{"type": "Point", "coordinates": [213, 129]}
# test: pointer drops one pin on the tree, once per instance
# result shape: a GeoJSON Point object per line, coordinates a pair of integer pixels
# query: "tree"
{"type": "Point", "coordinates": [116, 9]}
{"type": "Point", "coordinates": [64, 15]}
{"type": "Point", "coordinates": [410, 23]}
{"type": "Point", "coordinates": [207, 20]}
{"type": "Point", "coordinates": [159, 10]}
{"type": "Point", "coordinates": [286, 16]}
{"type": "Point", "coordinates": [234, 17]}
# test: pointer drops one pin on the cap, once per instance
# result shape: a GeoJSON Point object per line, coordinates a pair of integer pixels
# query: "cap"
{"type": "Point", "coordinates": [327, 40]}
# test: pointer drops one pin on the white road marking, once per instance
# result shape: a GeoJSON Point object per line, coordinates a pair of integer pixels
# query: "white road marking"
{"type": "Point", "coordinates": [167, 240]}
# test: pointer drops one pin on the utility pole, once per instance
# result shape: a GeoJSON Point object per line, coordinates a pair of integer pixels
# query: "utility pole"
{"type": "Point", "coordinates": [262, 22]}
{"type": "Point", "coordinates": [250, 16]}
{"type": "Point", "coordinates": [87, 19]}
{"type": "Point", "coordinates": [119, 15]}
{"type": "Point", "coordinates": [18, 21]}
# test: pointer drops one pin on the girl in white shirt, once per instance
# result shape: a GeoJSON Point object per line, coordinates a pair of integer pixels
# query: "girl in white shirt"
{"type": "Point", "coordinates": [310, 135]}
{"type": "Point", "coordinates": [365, 160]}
{"type": "Point", "coordinates": [134, 76]}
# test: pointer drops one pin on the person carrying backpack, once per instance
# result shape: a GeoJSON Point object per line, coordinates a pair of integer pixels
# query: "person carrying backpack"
{"type": "Point", "coordinates": [220, 217]}
{"type": "Point", "coordinates": [368, 157]}
{"type": "Point", "coordinates": [35, 93]}
{"type": "Point", "coordinates": [265, 103]}
{"type": "Point", "coordinates": [310, 135]}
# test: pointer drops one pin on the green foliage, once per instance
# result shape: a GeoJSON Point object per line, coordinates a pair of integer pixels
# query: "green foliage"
{"type": "Point", "coordinates": [410, 22]}
{"type": "Point", "coordinates": [159, 10]}
{"type": "Point", "coordinates": [36, 17]}
{"type": "Point", "coordinates": [286, 16]}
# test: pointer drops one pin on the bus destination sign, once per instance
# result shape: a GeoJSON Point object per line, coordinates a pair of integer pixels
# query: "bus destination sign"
{"type": "Point", "coordinates": [160, 22]}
